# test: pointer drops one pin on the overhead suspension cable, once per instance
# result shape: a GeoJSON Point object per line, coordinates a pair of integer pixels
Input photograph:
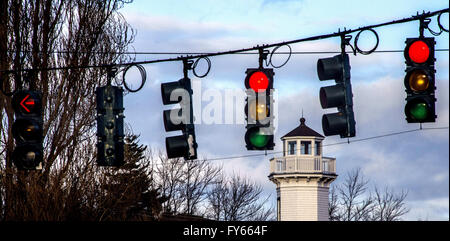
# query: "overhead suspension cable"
{"type": "Point", "coordinates": [242, 53]}
{"type": "Point", "coordinates": [337, 143]}
{"type": "Point", "coordinates": [264, 46]}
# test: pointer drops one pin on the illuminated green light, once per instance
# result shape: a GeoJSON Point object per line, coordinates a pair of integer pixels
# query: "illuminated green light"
{"type": "Point", "coordinates": [258, 140]}
{"type": "Point", "coordinates": [419, 111]}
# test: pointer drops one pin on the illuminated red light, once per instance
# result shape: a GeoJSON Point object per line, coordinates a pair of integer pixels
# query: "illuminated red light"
{"type": "Point", "coordinates": [419, 52]}
{"type": "Point", "coordinates": [258, 81]}
{"type": "Point", "coordinates": [27, 102]}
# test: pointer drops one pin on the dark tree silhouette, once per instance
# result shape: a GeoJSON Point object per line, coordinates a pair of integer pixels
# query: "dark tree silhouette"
{"type": "Point", "coordinates": [37, 34]}
{"type": "Point", "coordinates": [128, 191]}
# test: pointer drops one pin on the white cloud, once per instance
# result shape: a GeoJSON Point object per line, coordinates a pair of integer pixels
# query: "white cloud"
{"type": "Point", "coordinates": [428, 209]}
{"type": "Point", "coordinates": [161, 23]}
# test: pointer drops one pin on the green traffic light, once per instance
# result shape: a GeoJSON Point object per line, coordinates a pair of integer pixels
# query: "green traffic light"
{"type": "Point", "coordinates": [258, 139]}
{"type": "Point", "coordinates": [419, 111]}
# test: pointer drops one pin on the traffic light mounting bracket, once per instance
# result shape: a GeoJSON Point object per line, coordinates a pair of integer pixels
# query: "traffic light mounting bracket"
{"type": "Point", "coordinates": [423, 25]}
{"type": "Point", "coordinates": [187, 65]}
{"type": "Point", "coordinates": [262, 56]}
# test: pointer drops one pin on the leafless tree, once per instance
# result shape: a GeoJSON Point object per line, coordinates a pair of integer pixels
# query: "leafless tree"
{"type": "Point", "coordinates": [388, 205]}
{"type": "Point", "coordinates": [199, 175]}
{"type": "Point", "coordinates": [184, 182]}
{"type": "Point", "coordinates": [238, 199]}
{"type": "Point", "coordinates": [352, 201]}
{"type": "Point", "coordinates": [197, 187]}
{"type": "Point", "coordinates": [168, 176]}
{"type": "Point", "coordinates": [38, 34]}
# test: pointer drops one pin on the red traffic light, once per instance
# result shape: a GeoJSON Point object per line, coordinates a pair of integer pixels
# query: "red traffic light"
{"type": "Point", "coordinates": [419, 52]}
{"type": "Point", "coordinates": [258, 81]}
{"type": "Point", "coordinates": [27, 102]}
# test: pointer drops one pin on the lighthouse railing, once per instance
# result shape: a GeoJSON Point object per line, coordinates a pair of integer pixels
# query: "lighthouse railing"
{"type": "Point", "coordinates": [302, 164]}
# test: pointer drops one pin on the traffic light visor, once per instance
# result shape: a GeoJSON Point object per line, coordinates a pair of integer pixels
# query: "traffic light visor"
{"type": "Point", "coordinates": [174, 120]}
{"type": "Point", "coordinates": [176, 146]}
{"type": "Point", "coordinates": [334, 124]}
{"type": "Point", "coordinates": [329, 68]}
{"type": "Point", "coordinates": [171, 92]}
{"type": "Point", "coordinates": [332, 96]}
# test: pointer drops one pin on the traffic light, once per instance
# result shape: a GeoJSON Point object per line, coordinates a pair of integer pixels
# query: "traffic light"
{"type": "Point", "coordinates": [27, 130]}
{"type": "Point", "coordinates": [419, 80]}
{"type": "Point", "coordinates": [110, 135]}
{"type": "Point", "coordinates": [340, 95]}
{"type": "Point", "coordinates": [258, 109]}
{"type": "Point", "coordinates": [179, 119]}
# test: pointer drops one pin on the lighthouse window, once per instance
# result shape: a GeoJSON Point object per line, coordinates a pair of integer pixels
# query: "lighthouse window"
{"type": "Point", "coordinates": [317, 148]}
{"type": "Point", "coordinates": [292, 146]}
{"type": "Point", "coordinates": [305, 147]}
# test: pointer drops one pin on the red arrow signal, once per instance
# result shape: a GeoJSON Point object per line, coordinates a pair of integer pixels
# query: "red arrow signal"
{"type": "Point", "coordinates": [30, 103]}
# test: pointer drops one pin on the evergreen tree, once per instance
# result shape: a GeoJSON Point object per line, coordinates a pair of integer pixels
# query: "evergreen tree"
{"type": "Point", "coordinates": [128, 192]}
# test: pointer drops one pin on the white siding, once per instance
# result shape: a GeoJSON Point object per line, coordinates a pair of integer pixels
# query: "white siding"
{"type": "Point", "coordinates": [323, 203]}
{"type": "Point", "coordinates": [303, 200]}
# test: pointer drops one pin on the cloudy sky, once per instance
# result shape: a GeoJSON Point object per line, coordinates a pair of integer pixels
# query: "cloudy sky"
{"type": "Point", "coordinates": [417, 162]}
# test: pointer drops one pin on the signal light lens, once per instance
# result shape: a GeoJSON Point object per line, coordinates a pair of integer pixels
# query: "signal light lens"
{"type": "Point", "coordinates": [257, 138]}
{"type": "Point", "coordinates": [26, 130]}
{"type": "Point", "coordinates": [332, 96]}
{"type": "Point", "coordinates": [27, 102]}
{"type": "Point", "coordinates": [258, 81]}
{"type": "Point", "coordinates": [334, 123]}
{"type": "Point", "coordinates": [417, 110]}
{"type": "Point", "coordinates": [419, 52]}
{"type": "Point", "coordinates": [258, 111]}
{"type": "Point", "coordinates": [418, 80]}
{"type": "Point", "coordinates": [27, 157]}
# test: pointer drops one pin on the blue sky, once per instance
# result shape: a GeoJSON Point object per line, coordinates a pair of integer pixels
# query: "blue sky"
{"type": "Point", "coordinates": [417, 162]}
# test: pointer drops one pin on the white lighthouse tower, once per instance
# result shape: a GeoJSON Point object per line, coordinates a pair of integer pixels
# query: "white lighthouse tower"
{"type": "Point", "coordinates": [302, 176]}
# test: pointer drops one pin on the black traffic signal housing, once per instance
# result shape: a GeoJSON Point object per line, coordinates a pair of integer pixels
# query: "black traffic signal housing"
{"type": "Point", "coordinates": [420, 80]}
{"type": "Point", "coordinates": [110, 134]}
{"type": "Point", "coordinates": [27, 130]}
{"type": "Point", "coordinates": [179, 119]}
{"type": "Point", "coordinates": [259, 109]}
{"type": "Point", "coordinates": [340, 95]}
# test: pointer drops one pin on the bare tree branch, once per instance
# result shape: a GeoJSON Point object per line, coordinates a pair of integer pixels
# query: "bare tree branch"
{"type": "Point", "coordinates": [351, 201]}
